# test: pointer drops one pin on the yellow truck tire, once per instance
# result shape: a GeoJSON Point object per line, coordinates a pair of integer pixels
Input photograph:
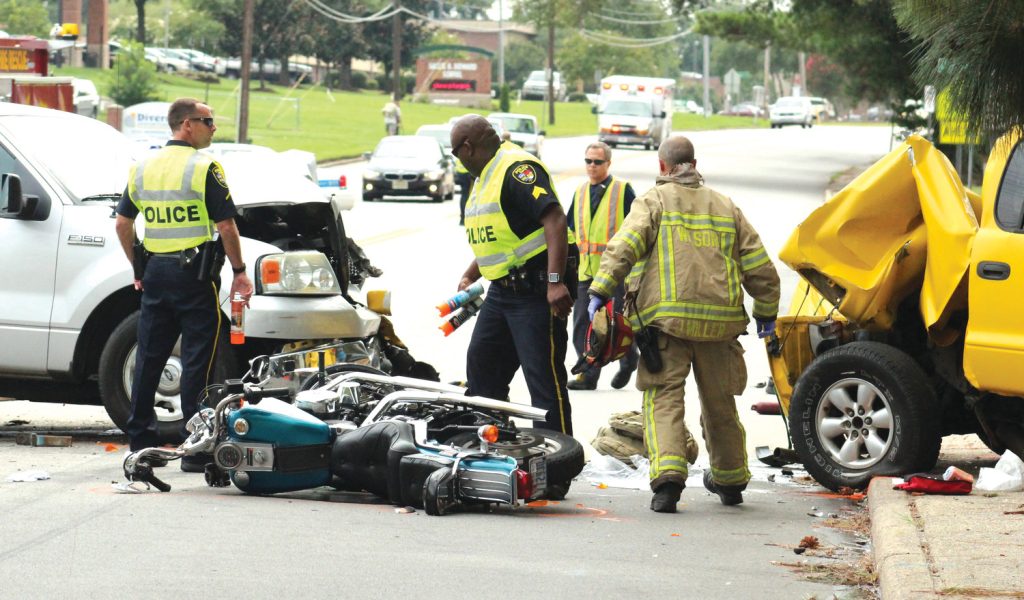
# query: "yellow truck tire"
{"type": "Point", "coordinates": [862, 410]}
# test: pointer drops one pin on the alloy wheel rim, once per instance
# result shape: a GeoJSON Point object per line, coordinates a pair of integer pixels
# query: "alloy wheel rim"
{"type": "Point", "coordinates": [854, 423]}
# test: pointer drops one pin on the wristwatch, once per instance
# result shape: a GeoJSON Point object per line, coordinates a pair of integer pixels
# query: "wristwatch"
{"type": "Point", "coordinates": [239, 270]}
{"type": "Point", "coordinates": [554, 278]}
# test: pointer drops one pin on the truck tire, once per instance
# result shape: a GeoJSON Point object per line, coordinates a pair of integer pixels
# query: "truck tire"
{"type": "Point", "coordinates": [116, 370]}
{"type": "Point", "coordinates": [862, 410]}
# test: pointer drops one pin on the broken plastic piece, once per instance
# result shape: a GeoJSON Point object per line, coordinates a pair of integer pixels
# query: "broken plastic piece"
{"type": "Point", "coordinates": [28, 476]}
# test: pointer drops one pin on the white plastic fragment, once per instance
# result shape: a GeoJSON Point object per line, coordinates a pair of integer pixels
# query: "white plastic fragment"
{"type": "Point", "coordinates": [1006, 476]}
{"type": "Point", "coordinates": [28, 476]}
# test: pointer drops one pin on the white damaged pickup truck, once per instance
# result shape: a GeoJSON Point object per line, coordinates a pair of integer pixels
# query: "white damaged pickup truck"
{"type": "Point", "coordinates": [68, 323]}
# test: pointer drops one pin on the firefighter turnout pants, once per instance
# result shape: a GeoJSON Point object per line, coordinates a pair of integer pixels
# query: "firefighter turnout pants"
{"type": "Point", "coordinates": [518, 329]}
{"type": "Point", "coordinates": [721, 374]}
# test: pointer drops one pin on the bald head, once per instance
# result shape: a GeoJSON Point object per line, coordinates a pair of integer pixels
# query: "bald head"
{"type": "Point", "coordinates": [675, 151]}
{"type": "Point", "coordinates": [474, 142]}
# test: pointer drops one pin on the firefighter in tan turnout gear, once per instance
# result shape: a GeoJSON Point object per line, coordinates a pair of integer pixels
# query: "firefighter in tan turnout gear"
{"type": "Point", "coordinates": [685, 251]}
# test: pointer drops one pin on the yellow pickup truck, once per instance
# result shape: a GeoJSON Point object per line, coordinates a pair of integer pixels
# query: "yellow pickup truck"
{"type": "Point", "coordinates": [908, 323]}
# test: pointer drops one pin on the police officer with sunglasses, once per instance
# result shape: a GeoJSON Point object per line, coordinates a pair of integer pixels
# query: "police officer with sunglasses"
{"type": "Point", "coordinates": [184, 199]}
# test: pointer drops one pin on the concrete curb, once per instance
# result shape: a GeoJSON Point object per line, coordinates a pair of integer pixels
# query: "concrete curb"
{"type": "Point", "coordinates": [900, 559]}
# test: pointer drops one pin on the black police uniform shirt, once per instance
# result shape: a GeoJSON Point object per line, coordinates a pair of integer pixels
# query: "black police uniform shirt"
{"type": "Point", "coordinates": [219, 205]}
{"type": "Point", "coordinates": [525, 194]}
{"type": "Point", "coordinates": [596, 192]}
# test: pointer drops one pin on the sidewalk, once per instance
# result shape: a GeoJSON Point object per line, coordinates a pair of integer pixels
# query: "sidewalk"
{"type": "Point", "coordinates": [928, 546]}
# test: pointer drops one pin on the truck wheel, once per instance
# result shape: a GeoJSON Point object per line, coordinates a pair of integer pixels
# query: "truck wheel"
{"type": "Point", "coordinates": [862, 410]}
{"type": "Point", "coordinates": [117, 369]}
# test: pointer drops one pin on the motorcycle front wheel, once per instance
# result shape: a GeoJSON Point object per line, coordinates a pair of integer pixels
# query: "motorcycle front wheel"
{"type": "Point", "coordinates": [564, 455]}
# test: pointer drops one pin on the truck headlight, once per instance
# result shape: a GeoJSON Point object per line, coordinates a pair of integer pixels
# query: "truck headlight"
{"type": "Point", "coordinates": [434, 175]}
{"type": "Point", "coordinates": [296, 273]}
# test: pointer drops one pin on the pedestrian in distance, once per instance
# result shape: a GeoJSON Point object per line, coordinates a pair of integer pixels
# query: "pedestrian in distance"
{"type": "Point", "coordinates": [184, 199]}
{"type": "Point", "coordinates": [465, 181]}
{"type": "Point", "coordinates": [696, 251]}
{"type": "Point", "coordinates": [598, 208]}
{"type": "Point", "coordinates": [517, 230]}
{"type": "Point", "coordinates": [392, 117]}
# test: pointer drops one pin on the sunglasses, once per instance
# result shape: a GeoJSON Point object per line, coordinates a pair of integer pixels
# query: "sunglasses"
{"type": "Point", "coordinates": [208, 121]}
{"type": "Point", "coordinates": [594, 161]}
{"type": "Point", "coordinates": [455, 149]}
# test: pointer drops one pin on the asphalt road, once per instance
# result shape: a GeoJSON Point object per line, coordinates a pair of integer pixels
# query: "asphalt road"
{"type": "Point", "coordinates": [74, 536]}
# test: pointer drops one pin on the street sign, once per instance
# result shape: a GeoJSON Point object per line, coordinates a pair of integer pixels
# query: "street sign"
{"type": "Point", "coordinates": [732, 82]}
{"type": "Point", "coordinates": [929, 99]}
{"type": "Point", "coordinates": [952, 124]}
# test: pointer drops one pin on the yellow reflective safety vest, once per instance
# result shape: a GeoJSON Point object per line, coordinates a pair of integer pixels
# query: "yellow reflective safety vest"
{"type": "Point", "coordinates": [169, 189]}
{"type": "Point", "coordinates": [689, 254]}
{"type": "Point", "coordinates": [594, 230]}
{"type": "Point", "coordinates": [496, 246]}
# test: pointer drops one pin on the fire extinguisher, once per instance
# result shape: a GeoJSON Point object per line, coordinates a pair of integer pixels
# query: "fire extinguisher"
{"type": "Point", "coordinates": [237, 319]}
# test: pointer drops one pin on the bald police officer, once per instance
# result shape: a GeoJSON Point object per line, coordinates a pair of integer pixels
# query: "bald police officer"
{"type": "Point", "coordinates": [183, 197]}
{"type": "Point", "coordinates": [517, 230]}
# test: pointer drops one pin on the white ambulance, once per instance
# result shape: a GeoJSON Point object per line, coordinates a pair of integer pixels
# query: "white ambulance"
{"type": "Point", "coordinates": [634, 110]}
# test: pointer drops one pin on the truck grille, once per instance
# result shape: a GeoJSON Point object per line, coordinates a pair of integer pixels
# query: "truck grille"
{"type": "Point", "coordinates": [402, 176]}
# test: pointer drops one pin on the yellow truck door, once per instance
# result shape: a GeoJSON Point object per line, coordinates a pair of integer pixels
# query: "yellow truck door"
{"type": "Point", "coordinates": [994, 343]}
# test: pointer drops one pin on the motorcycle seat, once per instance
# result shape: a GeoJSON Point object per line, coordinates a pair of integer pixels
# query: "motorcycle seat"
{"type": "Point", "coordinates": [369, 458]}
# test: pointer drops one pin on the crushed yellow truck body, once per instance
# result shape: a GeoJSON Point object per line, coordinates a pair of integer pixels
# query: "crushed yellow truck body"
{"type": "Point", "coordinates": [905, 326]}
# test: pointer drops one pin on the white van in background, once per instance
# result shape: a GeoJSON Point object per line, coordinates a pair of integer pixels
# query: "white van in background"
{"type": "Point", "coordinates": [634, 110]}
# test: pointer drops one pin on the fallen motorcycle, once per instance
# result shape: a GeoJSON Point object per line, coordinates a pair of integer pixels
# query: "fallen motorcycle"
{"type": "Point", "coordinates": [411, 441]}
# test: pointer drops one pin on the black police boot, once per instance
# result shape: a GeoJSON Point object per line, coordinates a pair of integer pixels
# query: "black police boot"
{"type": "Point", "coordinates": [582, 383]}
{"type": "Point", "coordinates": [196, 463]}
{"type": "Point", "coordinates": [666, 497]}
{"type": "Point", "coordinates": [730, 495]}
{"type": "Point", "coordinates": [621, 378]}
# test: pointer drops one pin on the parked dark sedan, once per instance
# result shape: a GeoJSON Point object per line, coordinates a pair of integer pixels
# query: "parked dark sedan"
{"type": "Point", "coordinates": [409, 165]}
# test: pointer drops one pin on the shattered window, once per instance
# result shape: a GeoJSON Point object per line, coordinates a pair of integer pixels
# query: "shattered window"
{"type": "Point", "coordinates": [1010, 199]}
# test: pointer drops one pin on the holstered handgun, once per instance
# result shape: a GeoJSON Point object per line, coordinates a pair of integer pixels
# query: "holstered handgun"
{"type": "Point", "coordinates": [210, 259]}
{"type": "Point", "coordinates": [139, 259]}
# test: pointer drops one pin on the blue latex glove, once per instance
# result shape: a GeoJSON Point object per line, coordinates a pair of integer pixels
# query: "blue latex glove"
{"type": "Point", "coordinates": [596, 302]}
{"type": "Point", "coordinates": [765, 327]}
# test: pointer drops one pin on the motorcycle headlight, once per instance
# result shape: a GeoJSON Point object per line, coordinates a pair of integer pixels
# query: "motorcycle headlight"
{"type": "Point", "coordinates": [297, 273]}
{"type": "Point", "coordinates": [371, 174]}
{"type": "Point", "coordinates": [435, 174]}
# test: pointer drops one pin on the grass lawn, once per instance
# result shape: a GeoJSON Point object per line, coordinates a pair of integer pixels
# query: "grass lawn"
{"type": "Point", "coordinates": [345, 124]}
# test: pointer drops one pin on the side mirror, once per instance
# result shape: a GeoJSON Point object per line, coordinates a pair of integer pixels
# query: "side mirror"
{"type": "Point", "coordinates": [593, 110]}
{"type": "Point", "coordinates": [15, 205]}
{"type": "Point", "coordinates": [367, 155]}
{"type": "Point", "coordinates": [662, 116]}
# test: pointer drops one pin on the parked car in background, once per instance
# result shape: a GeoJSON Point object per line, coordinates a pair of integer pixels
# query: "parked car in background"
{"type": "Point", "coordinates": [442, 133]}
{"type": "Point", "coordinates": [523, 129]}
{"type": "Point", "coordinates": [87, 99]}
{"type": "Point", "coordinates": [409, 165]}
{"type": "Point", "coordinates": [744, 109]}
{"type": "Point", "coordinates": [536, 86]}
{"type": "Point", "coordinates": [200, 61]}
{"type": "Point", "coordinates": [270, 68]}
{"type": "Point", "coordinates": [792, 110]}
{"type": "Point", "coordinates": [166, 62]}
{"type": "Point", "coordinates": [822, 109]}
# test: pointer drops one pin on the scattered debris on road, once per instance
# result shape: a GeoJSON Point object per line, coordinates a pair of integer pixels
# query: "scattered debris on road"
{"type": "Point", "coordinates": [21, 476]}
{"type": "Point", "coordinates": [30, 438]}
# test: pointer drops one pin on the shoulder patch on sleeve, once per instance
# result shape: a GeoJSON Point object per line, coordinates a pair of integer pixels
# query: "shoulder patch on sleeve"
{"type": "Point", "coordinates": [525, 174]}
{"type": "Point", "coordinates": [218, 174]}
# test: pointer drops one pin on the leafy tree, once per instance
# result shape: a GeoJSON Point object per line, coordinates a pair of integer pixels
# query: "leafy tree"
{"type": "Point", "coordinates": [974, 51]}
{"type": "Point", "coordinates": [24, 17]}
{"type": "Point", "coordinates": [339, 43]}
{"type": "Point", "coordinates": [521, 58]}
{"type": "Point", "coordinates": [135, 78]}
{"type": "Point", "coordinates": [441, 37]}
{"type": "Point", "coordinates": [467, 9]}
{"type": "Point", "coordinates": [580, 58]}
{"type": "Point", "coordinates": [414, 32]}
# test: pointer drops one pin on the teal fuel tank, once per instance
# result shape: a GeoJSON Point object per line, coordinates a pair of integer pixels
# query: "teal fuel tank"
{"type": "Point", "coordinates": [280, 448]}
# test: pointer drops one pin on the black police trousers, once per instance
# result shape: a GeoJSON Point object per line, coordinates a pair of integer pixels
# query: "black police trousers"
{"type": "Point", "coordinates": [173, 303]}
{"type": "Point", "coordinates": [518, 329]}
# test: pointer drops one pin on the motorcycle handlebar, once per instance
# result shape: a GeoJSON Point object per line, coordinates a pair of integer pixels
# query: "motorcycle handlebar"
{"type": "Point", "coordinates": [254, 395]}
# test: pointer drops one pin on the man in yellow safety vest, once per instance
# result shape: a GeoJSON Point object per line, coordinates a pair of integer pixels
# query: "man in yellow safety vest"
{"type": "Point", "coordinates": [686, 253]}
{"type": "Point", "coordinates": [183, 197]}
{"type": "Point", "coordinates": [597, 211]}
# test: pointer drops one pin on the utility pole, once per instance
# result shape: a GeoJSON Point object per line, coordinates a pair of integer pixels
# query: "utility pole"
{"type": "Point", "coordinates": [800, 56]}
{"type": "Point", "coordinates": [396, 44]}
{"type": "Point", "coordinates": [551, 62]}
{"type": "Point", "coordinates": [242, 130]}
{"type": "Point", "coordinates": [707, 76]}
{"type": "Point", "coordinates": [767, 74]}
{"type": "Point", "coordinates": [501, 45]}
